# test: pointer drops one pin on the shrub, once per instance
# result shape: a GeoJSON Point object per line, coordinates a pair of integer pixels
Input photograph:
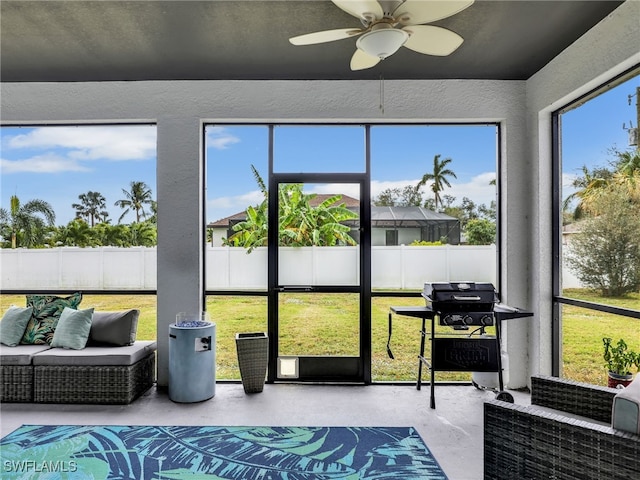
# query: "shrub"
{"type": "Point", "coordinates": [423, 243]}
{"type": "Point", "coordinates": [480, 231]}
{"type": "Point", "coordinates": [605, 253]}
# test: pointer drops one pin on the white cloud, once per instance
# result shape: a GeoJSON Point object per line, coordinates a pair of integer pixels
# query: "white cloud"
{"type": "Point", "coordinates": [353, 190]}
{"type": "Point", "coordinates": [378, 187]}
{"type": "Point", "coordinates": [220, 138]}
{"type": "Point", "coordinates": [222, 207]}
{"type": "Point", "coordinates": [47, 163]}
{"type": "Point", "coordinates": [479, 189]}
{"type": "Point", "coordinates": [116, 143]}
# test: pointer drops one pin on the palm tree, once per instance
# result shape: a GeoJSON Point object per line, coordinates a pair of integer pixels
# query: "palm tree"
{"type": "Point", "coordinates": [26, 222]}
{"type": "Point", "coordinates": [588, 188]}
{"type": "Point", "coordinates": [628, 163]}
{"type": "Point", "coordinates": [595, 183]}
{"type": "Point", "coordinates": [136, 199]}
{"type": "Point", "coordinates": [438, 177]}
{"type": "Point", "coordinates": [91, 207]}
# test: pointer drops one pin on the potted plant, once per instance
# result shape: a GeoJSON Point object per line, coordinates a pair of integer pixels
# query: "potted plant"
{"type": "Point", "coordinates": [619, 360]}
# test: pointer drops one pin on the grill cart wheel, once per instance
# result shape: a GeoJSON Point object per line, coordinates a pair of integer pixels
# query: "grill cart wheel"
{"type": "Point", "coordinates": [504, 396]}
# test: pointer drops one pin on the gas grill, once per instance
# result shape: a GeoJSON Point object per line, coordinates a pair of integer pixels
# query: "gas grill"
{"type": "Point", "coordinates": [462, 304]}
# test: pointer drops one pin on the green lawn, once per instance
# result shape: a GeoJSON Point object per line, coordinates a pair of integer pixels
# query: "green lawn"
{"type": "Point", "coordinates": [324, 325]}
{"type": "Point", "coordinates": [584, 329]}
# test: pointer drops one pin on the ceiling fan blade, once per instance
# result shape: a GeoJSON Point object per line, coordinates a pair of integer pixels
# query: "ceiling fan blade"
{"type": "Point", "coordinates": [415, 12]}
{"type": "Point", "coordinates": [361, 60]}
{"type": "Point", "coordinates": [432, 40]}
{"type": "Point", "coordinates": [360, 8]}
{"type": "Point", "coordinates": [325, 36]}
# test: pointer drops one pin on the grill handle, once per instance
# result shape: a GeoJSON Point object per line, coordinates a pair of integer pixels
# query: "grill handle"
{"type": "Point", "coordinates": [466, 299]}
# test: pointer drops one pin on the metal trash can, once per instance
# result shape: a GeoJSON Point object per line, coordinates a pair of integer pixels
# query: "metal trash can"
{"type": "Point", "coordinates": [192, 354]}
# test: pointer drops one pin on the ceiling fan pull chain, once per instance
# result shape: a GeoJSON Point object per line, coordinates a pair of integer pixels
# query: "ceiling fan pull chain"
{"type": "Point", "coordinates": [382, 94]}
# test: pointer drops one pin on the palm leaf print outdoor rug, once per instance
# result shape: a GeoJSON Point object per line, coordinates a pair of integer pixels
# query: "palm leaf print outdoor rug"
{"type": "Point", "coordinates": [208, 453]}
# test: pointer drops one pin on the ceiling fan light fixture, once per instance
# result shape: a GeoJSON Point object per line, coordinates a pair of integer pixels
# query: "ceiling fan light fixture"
{"type": "Point", "coordinates": [382, 43]}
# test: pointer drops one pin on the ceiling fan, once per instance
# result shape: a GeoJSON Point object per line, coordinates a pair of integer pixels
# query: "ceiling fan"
{"type": "Point", "coordinates": [391, 24]}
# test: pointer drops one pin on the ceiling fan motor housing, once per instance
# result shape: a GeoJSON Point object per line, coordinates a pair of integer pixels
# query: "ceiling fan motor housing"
{"type": "Point", "coordinates": [382, 42]}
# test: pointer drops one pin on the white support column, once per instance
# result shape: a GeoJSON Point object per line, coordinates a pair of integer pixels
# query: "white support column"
{"type": "Point", "coordinates": [180, 230]}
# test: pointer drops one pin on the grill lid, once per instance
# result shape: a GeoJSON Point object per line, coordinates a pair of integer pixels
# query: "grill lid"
{"type": "Point", "coordinates": [463, 295]}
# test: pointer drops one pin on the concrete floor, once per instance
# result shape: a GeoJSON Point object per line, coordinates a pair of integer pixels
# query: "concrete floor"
{"type": "Point", "coordinates": [453, 431]}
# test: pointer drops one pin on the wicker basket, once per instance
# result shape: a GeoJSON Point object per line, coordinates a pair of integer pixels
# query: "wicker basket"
{"type": "Point", "coordinates": [253, 355]}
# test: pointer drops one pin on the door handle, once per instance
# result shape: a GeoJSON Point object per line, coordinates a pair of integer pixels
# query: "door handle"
{"type": "Point", "coordinates": [296, 289]}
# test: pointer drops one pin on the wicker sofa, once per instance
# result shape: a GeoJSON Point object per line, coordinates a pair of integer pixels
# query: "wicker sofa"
{"type": "Point", "coordinates": [53, 352]}
{"type": "Point", "coordinates": [96, 374]}
{"type": "Point", "coordinates": [565, 433]}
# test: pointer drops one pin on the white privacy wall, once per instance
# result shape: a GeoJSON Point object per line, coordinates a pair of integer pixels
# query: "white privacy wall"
{"type": "Point", "coordinates": [108, 268]}
{"type": "Point", "coordinates": [135, 268]}
{"type": "Point", "coordinates": [181, 108]}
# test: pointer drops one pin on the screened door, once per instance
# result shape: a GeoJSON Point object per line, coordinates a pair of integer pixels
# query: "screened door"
{"type": "Point", "coordinates": [319, 313]}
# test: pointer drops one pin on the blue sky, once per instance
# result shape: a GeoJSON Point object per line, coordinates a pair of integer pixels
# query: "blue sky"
{"type": "Point", "coordinates": [590, 131]}
{"type": "Point", "coordinates": [400, 155]}
{"type": "Point", "coordinates": [57, 164]}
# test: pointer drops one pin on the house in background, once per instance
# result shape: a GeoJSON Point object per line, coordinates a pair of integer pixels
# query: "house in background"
{"type": "Point", "coordinates": [389, 225]}
{"type": "Point", "coordinates": [404, 225]}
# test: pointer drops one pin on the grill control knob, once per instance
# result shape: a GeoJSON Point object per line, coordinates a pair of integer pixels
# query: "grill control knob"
{"type": "Point", "coordinates": [447, 319]}
{"type": "Point", "coordinates": [467, 320]}
{"type": "Point", "coordinates": [486, 320]}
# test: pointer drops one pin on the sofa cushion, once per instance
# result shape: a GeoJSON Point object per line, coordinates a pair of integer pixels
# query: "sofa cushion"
{"type": "Point", "coordinates": [13, 324]}
{"type": "Point", "coordinates": [73, 328]}
{"type": "Point", "coordinates": [20, 355]}
{"type": "Point", "coordinates": [44, 318]}
{"type": "Point", "coordinates": [114, 328]}
{"type": "Point", "coordinates": [626, 408]}
{"type": "Point", "coordinates": [88, 356]}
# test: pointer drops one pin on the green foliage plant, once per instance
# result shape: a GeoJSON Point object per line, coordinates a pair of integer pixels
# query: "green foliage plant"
{"type": "Point", "coordinates": [480, 231]}
{"type": "Point", "coordinates": [423, 243]}
{"type": "Point", "coordinates": [618, 358]}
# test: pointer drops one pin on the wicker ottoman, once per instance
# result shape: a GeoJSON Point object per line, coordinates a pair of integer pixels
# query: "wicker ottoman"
{"type": "Point", "coordinates": [98, 375]}
{"type": "Point", "coordinates": [16, 372]}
